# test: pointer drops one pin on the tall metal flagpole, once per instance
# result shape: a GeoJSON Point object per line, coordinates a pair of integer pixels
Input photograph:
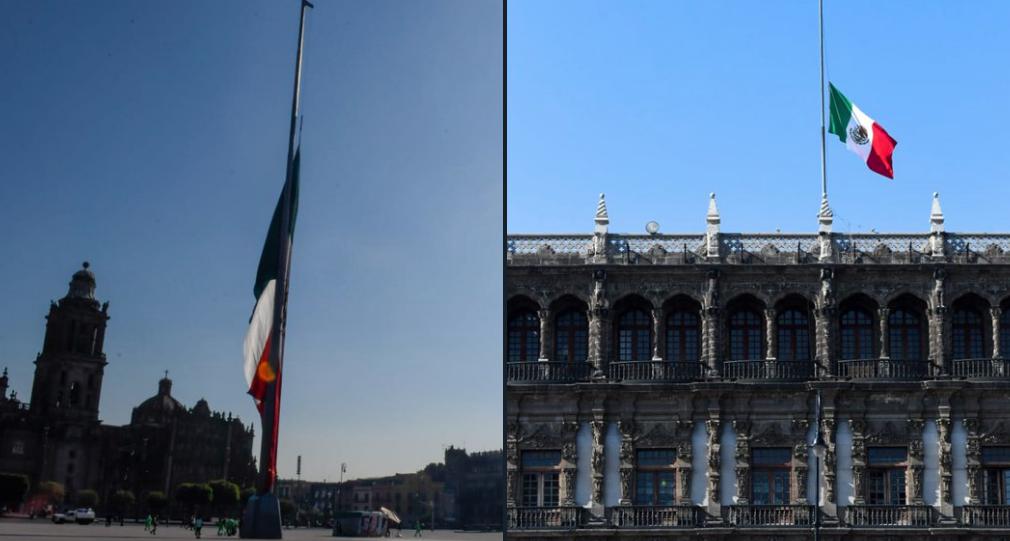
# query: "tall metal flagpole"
{"type": "Point", "coordinates": [262, 518]}
{"type": "Point", "coordinates": [824, 159]}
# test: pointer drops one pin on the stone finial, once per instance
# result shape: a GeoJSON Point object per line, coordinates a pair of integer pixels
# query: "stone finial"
{"type": "Point", "coordinates": [602, 220]}
{"type": "Point", "coordinates": [712, 220]}
{"type": "Point", "coordinates": [825, 217]}
{"type": "Point", "coordinates": [936, 215]}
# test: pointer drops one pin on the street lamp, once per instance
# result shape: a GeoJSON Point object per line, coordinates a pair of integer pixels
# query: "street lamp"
{"type": "Point", "coordinates": [819, 447]}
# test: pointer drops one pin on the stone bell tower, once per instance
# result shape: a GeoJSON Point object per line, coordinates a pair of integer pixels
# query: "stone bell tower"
{"type": "Point", "coordinates": [68, 372]}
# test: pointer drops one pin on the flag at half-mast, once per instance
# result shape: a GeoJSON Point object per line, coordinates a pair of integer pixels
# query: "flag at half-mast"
{"type": "Point", "coordinates": [258, 371]}
{"type": "Point", "coordinates": [861, 134]}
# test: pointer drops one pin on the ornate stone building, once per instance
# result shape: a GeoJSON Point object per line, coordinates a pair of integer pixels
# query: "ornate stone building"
{"type": "Point", "coordinates": [673, 385]}
{"type": "Point", "coordinates": [58, 436]}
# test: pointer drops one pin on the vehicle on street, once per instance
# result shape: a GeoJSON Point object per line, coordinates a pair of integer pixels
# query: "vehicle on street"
{"type": "Point", "coordinates": [83, 515]}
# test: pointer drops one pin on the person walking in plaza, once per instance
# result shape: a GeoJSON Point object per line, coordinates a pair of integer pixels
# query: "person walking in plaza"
{"type": "Point", "coordinates": [222, 526]}
{"type": "Point", "coordinates": [197, 525]}
{"type": "Point", "coordinates": [147, 523]}
{"type": "Point", "coordinates": [154, 525]}
{"type": "Point", "coordinates": [417, 529]}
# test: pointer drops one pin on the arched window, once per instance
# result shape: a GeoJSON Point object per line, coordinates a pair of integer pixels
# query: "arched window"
{"type": "Point", "coordinates": [75, 394]}
{"type": "Point", "coordinates": [967, 334]}
{"type": "Point", "coordinates": [571, 337]}
{"type": "Point", "coordinates": [793, 336]}
{"type": "Point", "coordinates": [524, 337]}
{"type": "Point", "coordinates": [1004, 333]}
{"type": "Point", "coordinates": [745, 336]}
{"type": "Point", "coordinates": [857, 334]}
{"type": "Point", "coordinates": [634, 336]}
{"type": "Point", "coordinates": [682, 332]}
{"type": "Point", "coordinates": [905, 335]}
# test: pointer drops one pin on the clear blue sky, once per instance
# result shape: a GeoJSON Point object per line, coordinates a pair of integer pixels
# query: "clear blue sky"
{"type": "Point", "coordinates": [150, 137]}
{"type": "Point", "coordinates": [658, 103]}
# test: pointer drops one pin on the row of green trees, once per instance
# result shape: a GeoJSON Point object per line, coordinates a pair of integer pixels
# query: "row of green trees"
{"type": "Point", "coordinates": [219, 496]}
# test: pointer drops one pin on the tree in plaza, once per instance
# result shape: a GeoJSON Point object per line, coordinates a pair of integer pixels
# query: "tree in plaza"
{"type": "Point", "coordinates": [86, 498]}
{"type": "Point", "coordinates": [193, 495]}
{"type": "Point", "coordinates": [13, 488]}
{"type": "Point", "coordinates": [288, 510]}
{"type": "Point", "coordinates": [247, 492]}
{"type": "Point", "coordinates": [122, 501]}
{"type": "Point", "coordinates": [50, 492]}
{"type": "Point", "coordinates": [156, 501]}
{"type": "Point", "coordinates": [226, 495]}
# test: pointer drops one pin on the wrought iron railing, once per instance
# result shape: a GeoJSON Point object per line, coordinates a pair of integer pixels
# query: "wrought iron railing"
{"type": "Point", "coordinates": [770, 370]}
{"type": "Point", "coordinates": [770, 515]}
{"type": "Point", "coordinates": [656, 371]}
{"type": "Point", "coordinates": [656, 516]}
{"type": "Point", "coordinates": [980, 368]}
{"type": "Point", "coordinates": [547, 372]}
{"type": "Point", "coordinates": [910, 516]}
{"type": "Point", "coordinates": [884, 369]}
{"type": "Point", "coordinates": [545, 518]}
{"type": "Point", "coordinates": [985, 516]}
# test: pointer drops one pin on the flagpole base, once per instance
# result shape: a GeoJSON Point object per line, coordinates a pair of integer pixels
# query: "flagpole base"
{"type": "Point", "coordinates": [261, 518]}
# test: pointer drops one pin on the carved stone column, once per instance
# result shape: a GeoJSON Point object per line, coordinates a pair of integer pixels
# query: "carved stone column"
{"type": "Point", "coordinates": [823, 321]}
{"type": "Point", "coordinates": [771, 334]}
{"type": "Point", "coordinates": [858, 459]}
{"type": "Point", "coordinates": [658, 334]}
{"type": "Point", "coordinates": [685, 455]}
{"type": "Point", "coordinates": [830, 465]}
{"type": "Point", "coordinates": [511, 464]}
{"type": "Point", "coordinates": [599, 435]}
{"type": "Point", "coordinates": [946, 469]}
{"type": "Point", "coordinates": [996, 312]}
{"type": "Point", "coordinates": [569, 458]}
{"type": "Point", "coordinates": [627, 456]}
{"type": "Point", "coordinates": [915, 455]}
{"type": "Point", "coordinates": [973, 452]}
{"type": "Point", "coordinates": [714, 463]}
{"type": "Point", "coordinates": [710, 339]}
{"type": "Point", "coordinates": [801, 471]}
{"type": "Point", "coordinates": [938, 325]}
{"type": "Point", "coordinates": [742, 462]}
{"type": "Point", "coordinates": [882, 315]}
{"type": "Point", "coordinates": [546, 337]}
{"type": "Point", "coordinates": [599, 312]}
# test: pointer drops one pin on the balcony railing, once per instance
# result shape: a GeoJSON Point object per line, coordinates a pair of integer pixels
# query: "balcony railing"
{"type": "Point", "coordinates": [770, 370]}
{"type": "Point", "coordinates": [544, 518]}
{"type": "Point", "coordinates": [980, 368]}
{"type": "Point", "coordinates": [547, 372]}
{"type": "Point", "coordinates": [884, 369]}
{"type": "Point", "coordinates": [656, 371]}
{"type": "Point", "coordinates": [986, 516]}
{"type": "Point", "coordinates": [771, 515]}
{"type": "Point", "coordinates": [908, 516]}
{"type": "Point", "coordinates": [656, 516]}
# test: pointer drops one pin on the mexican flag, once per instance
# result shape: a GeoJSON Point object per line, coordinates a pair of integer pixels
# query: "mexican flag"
{"type": "Point", "coordinates": [259, 373]}
{"type": "Point", "coordinates": [861, 134]}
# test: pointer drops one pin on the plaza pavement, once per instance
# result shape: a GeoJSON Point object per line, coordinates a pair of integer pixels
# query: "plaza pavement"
{"type": "Point", "coordinates": [44, 530]}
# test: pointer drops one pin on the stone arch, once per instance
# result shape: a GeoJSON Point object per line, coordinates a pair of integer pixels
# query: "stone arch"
{"type": "Point", "coordinates": [970, 327]}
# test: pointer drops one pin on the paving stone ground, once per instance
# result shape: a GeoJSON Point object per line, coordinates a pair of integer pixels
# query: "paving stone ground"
{"type": "Point", "coordinates": [42, 530]}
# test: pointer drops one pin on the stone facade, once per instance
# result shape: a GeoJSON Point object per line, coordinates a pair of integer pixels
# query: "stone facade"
{"type": "Point", "coordinates": [716, 348]}
{"type": "Point", "coordinates": [58, 436]}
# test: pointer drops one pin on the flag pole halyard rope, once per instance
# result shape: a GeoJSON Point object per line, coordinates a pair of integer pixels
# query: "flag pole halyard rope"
{"type": "Point", "coordinates": [824, 169]}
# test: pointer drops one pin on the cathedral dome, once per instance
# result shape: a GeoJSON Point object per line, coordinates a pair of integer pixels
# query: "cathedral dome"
{"type": "Point", "coordinates": [160, 405]}
{"type": "Point", "coordinates": [82, 284]}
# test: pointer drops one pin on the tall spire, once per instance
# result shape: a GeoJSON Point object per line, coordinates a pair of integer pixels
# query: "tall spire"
{"type": "Point", "coordinates": [602, 220]}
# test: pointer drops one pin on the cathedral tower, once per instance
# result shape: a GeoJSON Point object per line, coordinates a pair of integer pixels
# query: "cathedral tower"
{"type": "Point", "coordinates": [68, 372]}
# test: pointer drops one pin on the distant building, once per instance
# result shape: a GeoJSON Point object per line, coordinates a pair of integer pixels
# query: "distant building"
{"type": "Point", "coordinates": [59, 437]}
{"type": "Point", "coordinates": [477, 483]}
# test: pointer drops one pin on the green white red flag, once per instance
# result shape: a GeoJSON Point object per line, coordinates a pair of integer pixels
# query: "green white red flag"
{"type": "Point", "coordinates": [861, 134]}
{"type": "Point", "coordinates": [259, 373]}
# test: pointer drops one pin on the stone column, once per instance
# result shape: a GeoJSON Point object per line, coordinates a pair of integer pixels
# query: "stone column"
{"type": "Point", "coordinates": [714, 464]}
{"type": "Point", "coordinates": [882, 315]}
{"type": "Point", "coordinates": [684, 454]}
{"type": "Point", "coordinates": [937, 330]}
{"type": "Point", "coordinates": [830, 464]}
{"type": "Point", "coordinates": [627, 457]}
{"type": "Point", "coordinates": [599, 428]}
{"type": "Point", "coordinates": [658, 334]}
{"type": "Point", "coordinates": [771, 334]}
{"type": "Point", "coordinates": [546, 336]}
{"type": "Point", "coordinates": [511, 464]}
{"type": "Point", "coordinates": [742, 462]}
{"type": "Point", "coordinates": [598, 325]}
{"type": "Point", "coordinates": [858, 427]}
{"type": "Point", "coordinates": [710, 340]}
{"type": "Point", "coordinates": [973, 454]}
{"type": "Point", "coordinates": [996, 312]}
{"type": "Point", "coordinates": [946, 468]}
{"type": "Point", "coordinates": [801, 471]}
{"type": "Point", "coordinates": [823, 332]}
{"type": "Point", "coordinates": [569, 459]}
{"type": "Point", "coordinates": [915, 455]}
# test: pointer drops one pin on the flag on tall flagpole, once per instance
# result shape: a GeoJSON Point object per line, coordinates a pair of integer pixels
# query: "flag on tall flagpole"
{"type": "Point", "coordinates": [861, 134]}
{"type": "Point", "coordinates": [258, 371]}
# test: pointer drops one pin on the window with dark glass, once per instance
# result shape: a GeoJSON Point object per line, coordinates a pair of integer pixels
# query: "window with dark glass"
{"type": "Point", "coordinates": [540, 478]}
{"type": "Point", "coordinates": [857, 334]}
{"type": "Point", "coordinates": [770, 472]}
{"type": "Point", "coordinates": [655, 476]}
{"type": "Point", "coordinates": [1004, 333]}
{"type": "Point", "coordinates": [634, 336]}
{"type": "Point", "coordinates": [524, 337]}
{"type": "Point", "coordinates": [682, 332]}
{"type": "Point", "coordinates": [996, 475]}
{"type": "Point", "coordinates": [905, 333]}
{"type": "Point", "coordinates": [571, 337]}
{"type": "Point", "coordinates": [793, 336]}
{"type": "Point", "coordinates": [745, 336]}
{"type": "Point", "coordinates": [886, 475]}
{"type": "Point", "coordinates": [967, 334]}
